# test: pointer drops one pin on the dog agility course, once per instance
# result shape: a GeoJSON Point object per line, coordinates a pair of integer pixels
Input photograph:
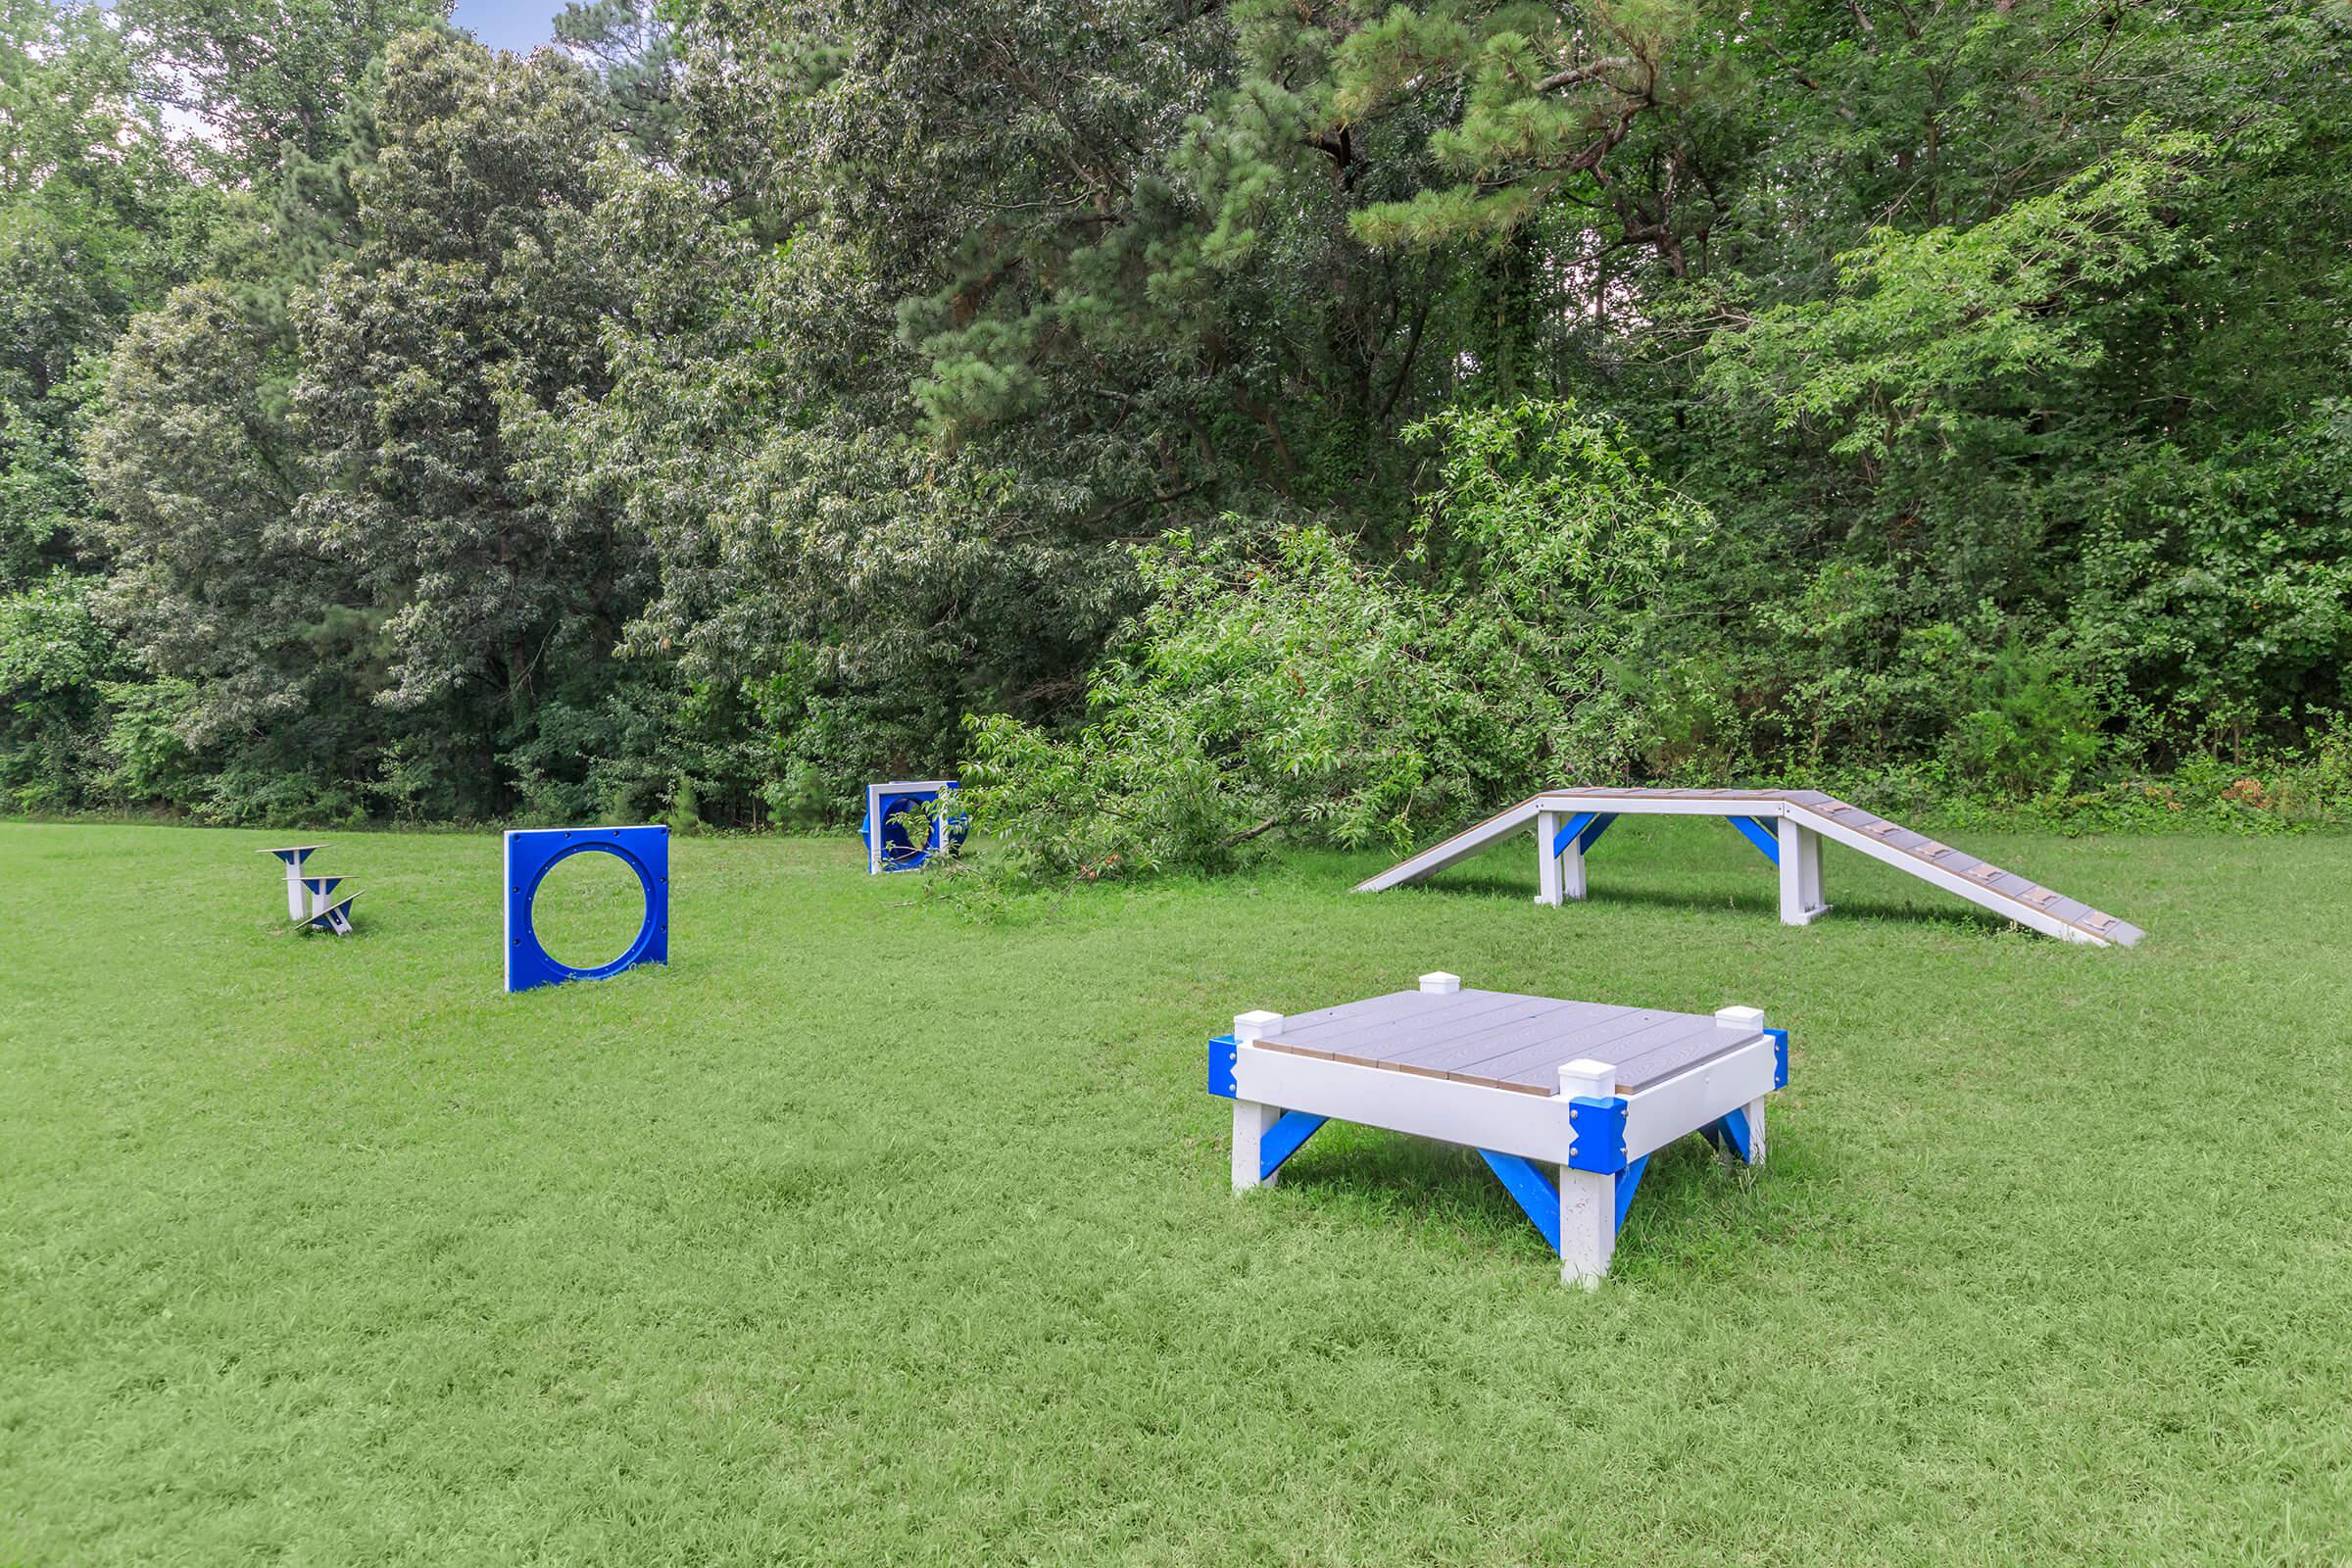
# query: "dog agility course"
{"type": "Point", "coordinates": [869, 1231]}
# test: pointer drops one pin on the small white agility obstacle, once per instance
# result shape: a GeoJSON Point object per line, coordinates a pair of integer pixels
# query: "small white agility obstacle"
{"type": "Point", "coordinates": [1565, 1100]}
{"type": "Point", "coordinates": [1787, 826]}
{"type": "Point", "coordinates": [311, 901]}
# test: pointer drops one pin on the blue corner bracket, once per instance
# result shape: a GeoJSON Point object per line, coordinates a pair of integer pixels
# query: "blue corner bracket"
{"type": "Point", "coordinates": [1222, 1059]}
{"type": "Point", "coordinates": [1596, 1129]}
{"type": "Point", "coordinates": [533, 853]}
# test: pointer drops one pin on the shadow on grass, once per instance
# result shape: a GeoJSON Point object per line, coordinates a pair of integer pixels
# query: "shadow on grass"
{"type": "Point", "coordinates": [1957, 914]}
{"type": "Point", "coordinates": [1372, 1176]}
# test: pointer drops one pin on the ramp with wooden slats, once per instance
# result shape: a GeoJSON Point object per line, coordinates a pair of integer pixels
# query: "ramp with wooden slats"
{"type": "Point", "coordinates": [1793, 814]}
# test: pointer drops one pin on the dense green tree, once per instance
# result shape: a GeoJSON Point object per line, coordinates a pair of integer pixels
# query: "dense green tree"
{"type": "Point", "coordinates": [435, 364]}
{"type": "Point", "coordinates": [746, 396]}
{"type": "Point", "coordinates": [270, 82]}
{"type": "Point", "coordinates": [265, 648]}
{"type": "Point", "coordinates": [94, 224]}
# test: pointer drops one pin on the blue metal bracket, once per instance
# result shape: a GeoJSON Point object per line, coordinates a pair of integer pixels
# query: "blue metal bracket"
{"type": "Point", "coordinates": [1759, 833]}
{"type": "Point", "coordinates": [1536, 1197]}
{"type": "Point", "coordinates": [1282, 1139]}
{"type": "Point", "coordinates": [1222, 1054]}
{"type": "Point", "coordinates": [1779, 1058]}
{"type": "Point", "coordinates": [1585, 828]}
{"type": "Point", "coordinates": [1628, 1180]}
{"type": "Point", "coordinates": [1597, 1130]}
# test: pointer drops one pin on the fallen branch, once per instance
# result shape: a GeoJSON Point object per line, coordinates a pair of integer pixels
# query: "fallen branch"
{"type": "Point", "coordinates": [1248, 833]}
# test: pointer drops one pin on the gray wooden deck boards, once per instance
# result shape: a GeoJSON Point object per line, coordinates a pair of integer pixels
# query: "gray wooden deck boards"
{"type": "Point", "coordinates": [1504, 1040]}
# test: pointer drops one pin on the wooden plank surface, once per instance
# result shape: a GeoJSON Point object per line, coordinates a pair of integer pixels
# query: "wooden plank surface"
{"type": "Point", "coordinates": [1504, 1040]}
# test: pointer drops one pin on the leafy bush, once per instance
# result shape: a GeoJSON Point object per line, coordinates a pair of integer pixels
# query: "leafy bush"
{"type": "Point", "coordinates": [1278, 682]}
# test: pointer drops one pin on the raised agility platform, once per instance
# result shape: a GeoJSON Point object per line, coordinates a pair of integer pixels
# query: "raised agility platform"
{"type": "Point", "coordinates": [1540, 1087]}
{"type": "Point", "coordinates": [1787, 826]}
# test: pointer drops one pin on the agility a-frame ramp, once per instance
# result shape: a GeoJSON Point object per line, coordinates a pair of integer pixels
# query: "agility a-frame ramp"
{"type": "Point", "coordinates": [1788, 827]}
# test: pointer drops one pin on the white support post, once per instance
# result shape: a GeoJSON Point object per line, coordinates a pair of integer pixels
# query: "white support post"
{"type": "Point", "coordinates": [1438, 983]}
{"type": "Point", "coordinates": [1252, 1121]}
{"type": "Point", "coordinates": [1748, 1021]}
{"type": "Point", "coordinates": [1587, 1226]}
{"type": "Point", "coordinates": [1587, 1199]}
{"type": "Point", "coordinates": [1794, 911]}
{"type": "Point", "coordinates": [1547, 865]}
{"type": "Point", "coordinates": [1808, 870]}
{"type": "Point", "coordinates": [1572, 868]}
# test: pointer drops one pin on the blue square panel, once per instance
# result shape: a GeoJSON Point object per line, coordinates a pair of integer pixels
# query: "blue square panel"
{"type": "Point", "coordinates": [531, 853]}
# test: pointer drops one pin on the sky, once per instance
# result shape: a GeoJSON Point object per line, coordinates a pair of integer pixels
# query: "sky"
{"type": "Point", "coordinates": [516, 24]}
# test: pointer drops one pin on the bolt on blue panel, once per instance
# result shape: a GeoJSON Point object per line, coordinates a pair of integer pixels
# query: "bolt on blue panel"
{"type": "Point", "coordinates": [531, 853]}
{"type": "Point", "coordinates": [1222, 1057]}
{"type": "Point", "coordinates": [1597, 1127]}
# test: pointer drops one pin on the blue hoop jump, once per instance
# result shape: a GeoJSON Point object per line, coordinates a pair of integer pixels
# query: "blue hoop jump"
{"type": "Point", "coordinates": [533, 853]}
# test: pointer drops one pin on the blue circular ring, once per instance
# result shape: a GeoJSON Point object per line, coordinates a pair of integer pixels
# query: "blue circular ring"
{"type": "Point", "coordinates": [645, 932]}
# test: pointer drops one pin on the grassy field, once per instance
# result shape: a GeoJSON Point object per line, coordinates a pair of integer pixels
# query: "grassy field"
{"type": "Point", "coordinates": [869, 1230]}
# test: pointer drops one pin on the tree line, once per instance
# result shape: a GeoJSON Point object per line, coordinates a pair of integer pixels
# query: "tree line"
{"type": "Point", "coordinates": [1184, 415]}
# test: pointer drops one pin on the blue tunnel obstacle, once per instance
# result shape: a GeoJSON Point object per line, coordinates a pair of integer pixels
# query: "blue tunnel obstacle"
{"type": "Point", "coordinates": [905, 826]}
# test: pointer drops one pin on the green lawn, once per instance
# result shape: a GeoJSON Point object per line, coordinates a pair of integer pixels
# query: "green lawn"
{"type": "Point", "coordinates": [869, 1230]}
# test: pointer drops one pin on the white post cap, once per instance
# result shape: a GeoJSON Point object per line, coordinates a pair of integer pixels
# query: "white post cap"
{"type": "Point", "coordinates": [1440, 983]}
{"type": "Point", "coordinates": [1587, 1079]}
{"type": "Point", "coordinates": [1748, 1018]}
{"type": "Point", "coordinates": [1250, 1026]}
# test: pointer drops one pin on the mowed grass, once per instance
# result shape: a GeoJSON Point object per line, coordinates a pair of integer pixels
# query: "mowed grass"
{"type": "Point", "coordinates": [870, 1231]}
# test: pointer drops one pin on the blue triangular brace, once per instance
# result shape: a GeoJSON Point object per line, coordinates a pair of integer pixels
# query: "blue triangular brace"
{"type": "Point", "coordinates": [1540, 1201]}
{"type": "Point", "coordinates": [1731, 1128]}
{"type": "Point", "coordinates": [1282, 1139]}
{"type": "Point", "coordinates": [1760, 834]}
{"type": "Point", "coordinates": [1585, 828]}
